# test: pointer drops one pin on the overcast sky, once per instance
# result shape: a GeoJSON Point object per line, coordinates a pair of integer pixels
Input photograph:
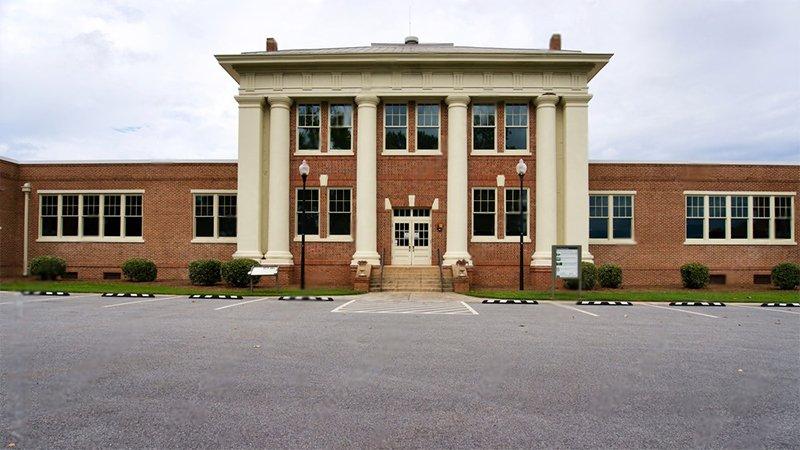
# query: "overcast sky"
{"type": "Point", "coordinates": [695, 80]}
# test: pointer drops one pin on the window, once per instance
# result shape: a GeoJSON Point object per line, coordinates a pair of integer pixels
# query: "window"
{"type": "Point", "coordinates": [78, 216]}
{"type": "Point", "coordinates": [694, 217]}
{"type": "Point", "coordinates": [740, 211]}
{"type": "Point", "coordinates": [483, 123]}
{"type": "Point", "coordinates": [622, 221]}
{"type": "Point", "coordinates": [483, 212]}
{"type": "Point", "coordinates": [516, 127]}
{"type": "Point", "coordinates": [308, 118]}
{"type": "Point", "coordinates": [341, 127]}
{"type": "Point", "coordinates": [214, 215]}
{"type": "Point", "coordinates": [49, 215]}
{"type": "Point", "coordinates": [395, 126]}
{"type": "Point", "coordinates": [783, 217]}
{"type": "Point", "coordinates": [428, 127]}
{"type": "Point", "coordinates": [512, 217]}
{"type": "Point", "coordinates": [717, 211]}
{"type": "Point", "coordinates": [311, 203]}
{"type": "Point", "coordinates": [610, 217]}
{"type": "Point", "coordinates": [339, 212]}
{"type": "Point", "coordinates": [739, 217]}
{"type": "Point", "coordinates": [598, 217]}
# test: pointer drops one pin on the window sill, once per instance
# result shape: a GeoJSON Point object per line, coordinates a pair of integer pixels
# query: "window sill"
{"type": "Point", "coordinates": [90, 239]}
{"type": "Point", "coordinates": [414, 153]}
{"type": "Point", "coordinates": [212, 240]}
{"type": "Point", "coordinates": [503, 153]}
{"type": "Point", "coordinates": [315, 238]}
{"type": "Point", "coordinates": [321, 153]}
{"type": "Point", "coordinates": [612, 242]}
{"type": "Point", "coordinates": [739, 242]}
{"type": "Point", "coordinates": [495, 240]}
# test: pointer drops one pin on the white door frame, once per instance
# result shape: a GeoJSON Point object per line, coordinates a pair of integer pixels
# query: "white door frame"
{"type": "Point", "coordinates": [411, 237]}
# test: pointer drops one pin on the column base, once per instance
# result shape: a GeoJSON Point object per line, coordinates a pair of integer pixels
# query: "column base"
{"type": "Point", "coordinates": [278, 258]}
{"type": "Point", "coordinates": [587, 257]}
{"type": "Point", "coordinates": [542, 259]}
{"type": "Point", "coordinates": [451, 258]}
{"type": "Point", "coordinates": [372, 258]}
{"type": "Point", "coordinates": [251, 254]}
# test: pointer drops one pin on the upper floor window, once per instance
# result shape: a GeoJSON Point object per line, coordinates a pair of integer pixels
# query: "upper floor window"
{"type": "Point", "coordinates": [308, 120]}
{"type": "Point", "coordinates": [483, 127]}
{"type": "Point", "coordinates": [395, 126]}
{"type": "Point", "coordinates": [516, 116]}
{"type": "Point", "coordinates": [309, 224]}
{"type": "Point", "coordinates": [516, 222]}
{"type": "Point", "coordinates": [739, 218]}
{"type": "Point", "coordinates": [610, 217]}
{"type": "Point", "coordinates": [428, 127]}
{"type": "Point", "coordinates": [484, 212]}
{"type": "Point", "coordinates": [341, 127]}
{"type": "Point", "coordinates": [214, 215]}
{"type": "Point", "coordinates": [72, 216]}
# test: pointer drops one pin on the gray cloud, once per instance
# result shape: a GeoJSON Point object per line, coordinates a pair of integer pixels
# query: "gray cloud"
{"type": "Point", "coordinates": [714, 80]}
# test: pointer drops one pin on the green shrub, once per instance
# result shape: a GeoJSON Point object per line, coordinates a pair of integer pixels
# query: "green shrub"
{"type": "Point", "coordinates": [588, 278]}
{"type": "Point", "coordinates": [609, 276]}
{"type": "Point", "coordinates": [138, 269]}
{"type": "Point", "coordinates": [205, 272]}
{"type": "Point", "coordinates": [234, 272]}
{"type": "Point", "coordinates": [695, 275]}
{"type": "Point", "coordinates": [786, 275]}
{"type": "Point", "coordinates": [47, 267]}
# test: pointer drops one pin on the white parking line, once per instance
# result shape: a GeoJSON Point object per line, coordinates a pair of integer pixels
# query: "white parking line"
{"type": "Point", "coordinates": [142, 301]}
{"type": "Point", "coordinates": [470, 308]}
{"type": "Point", "coordinates": [671, 308]}
{"type": "Point", "coordinates": [343, 305]}
{"type": "Point", "coordinates": [241, 303]}
{"type": "Point", "coordinates": [572, 308]}
{"type": "Point", "coordinates": [49, 299]}
{"type": "Point", "coordinates": [762, 308]}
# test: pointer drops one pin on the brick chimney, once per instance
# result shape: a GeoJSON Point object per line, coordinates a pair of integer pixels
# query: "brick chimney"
{"type": "Point", "coordinates": [555, 42]}
{"type": "Point", "coordinates": [272, 45]}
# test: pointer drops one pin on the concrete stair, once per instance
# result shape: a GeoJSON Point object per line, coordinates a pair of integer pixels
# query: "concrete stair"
{"type": "Point", "coordinates": [411, 279]}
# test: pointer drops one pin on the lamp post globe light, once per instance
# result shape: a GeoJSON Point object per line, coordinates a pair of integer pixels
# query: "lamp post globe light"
{"type": "Point", "coordinates": [521, 169]}
{"type": "Point", "coordinates": [304, 170]}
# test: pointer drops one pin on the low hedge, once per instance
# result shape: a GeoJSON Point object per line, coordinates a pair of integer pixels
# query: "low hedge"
{"type": "Point", "coordinates": [47, 267]}
{"type": "Point", "coordinates": [205, 272]}
{"type": "Point", "coordinates": [609, 276]}
{"type": "Point", "coordinates": [139, 269]}
{"type": "Point", "coordinates": [695, 275]}
{"type": "Point", "coordinates": [234, 272]}
{"type": "Point", "coordinates": [786, 276]}
{"type": "Point", "coordinates": [588, 278]}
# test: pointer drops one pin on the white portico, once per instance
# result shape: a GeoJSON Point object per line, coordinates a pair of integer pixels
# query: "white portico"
{"type": "Point", "coordinates": [553, 81]}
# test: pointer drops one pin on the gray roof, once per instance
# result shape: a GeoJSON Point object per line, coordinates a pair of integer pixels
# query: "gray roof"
{"type": "Point", "coordinates": [407, 48]}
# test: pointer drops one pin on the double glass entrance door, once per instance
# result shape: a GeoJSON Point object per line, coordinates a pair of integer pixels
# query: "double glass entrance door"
{"type": "Point", "coordinates": [411, 237]}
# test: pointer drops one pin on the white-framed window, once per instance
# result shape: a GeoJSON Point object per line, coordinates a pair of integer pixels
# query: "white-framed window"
{"type": "Point", "coordinates": [100, 216]}
{"type": "Point", "coordinates": [611, 217]}
{"type": "Point", "coordinates": [395, 126]}
{"type": "Point", "coordinates": [516, 121]}
{"type": "Point", "coordinates": [512, 212]}
{"type": "Point", "coordinates": [427, 126]}
{"type": "Point", "coordinates": [484, 212]}
{"type": "Point", "coordinates": [311, 223]}
{"type": "Point", "coordinates": [339, 211]}
{"type": "Point", "coordinates": [340, 118]}
{"type": "Point", "coordinates": [483, 126]}
{"type": "Point", "coordinates": [214, 215]}
{"type": "Point", "coordinates": [740, 218]}
{"type": "Point", "coordinates": [308, 120]}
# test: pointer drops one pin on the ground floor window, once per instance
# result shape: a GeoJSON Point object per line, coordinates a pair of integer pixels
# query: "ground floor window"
{"type": "Point", "coordinates": [720, 217]}
{"type": "Point", "coordinates": [310, 224]}
{"type": "Point", "coordinates": [339, 207]}
{"type": "Point", "coordinates": [516, 223]}
{"type": "Point", "coordinates": [610, 217]}
{"type": "Point", "coordinates": [484, 215]}
{"type": "Point", "coordinates": [214, 215]}
{"type": "Point", "coordinates": [90, 216]}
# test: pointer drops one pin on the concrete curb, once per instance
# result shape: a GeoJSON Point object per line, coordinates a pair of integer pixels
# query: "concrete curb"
{"type": "Point", "coordinates": [57, 293]}
{"type": "Point", "coordinates": [781, 305]}
{"type": "Point", "coordinates": [604, 303]}
{"type": "Point", "coordinates": [126, 294]}
{"type": "Point", "coordinates": [217, 296]}
{"type": "Point", "coordinates": [495, 301]}
{"type": "Point", "coordinates": [312, 299]}
{"type": "Point", "coordinates": [696, 304]}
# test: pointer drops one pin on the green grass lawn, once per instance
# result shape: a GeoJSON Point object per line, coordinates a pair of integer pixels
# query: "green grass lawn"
{"type": "Point", "coordinates": [666, 295]}
{"type": "Point", "coordinates": [158, 288]}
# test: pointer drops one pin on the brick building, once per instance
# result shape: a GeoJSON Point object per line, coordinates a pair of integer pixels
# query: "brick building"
{"type": "Point", "coordinates": [413, 152]}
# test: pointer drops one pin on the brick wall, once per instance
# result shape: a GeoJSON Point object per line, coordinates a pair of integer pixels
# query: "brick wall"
{"type": "Point", "coordinates": [11, 207]}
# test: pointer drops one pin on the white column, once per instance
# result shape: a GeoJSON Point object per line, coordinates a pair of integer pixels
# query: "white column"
{"type": "Point", "coordinates": [26, 188]}
{"type": "Point", "coordinates": [278, 253]}
{"type": "Point", "coordinates": [249, 178]}
{"type": "Point", "coordinates": [457, 187]}
{"type": "Point", "coordinates": [366, 182]}
{"type": "Point", "coordinates": [546, 182]}
{"type": "Point", "coordinates": [576, 172]}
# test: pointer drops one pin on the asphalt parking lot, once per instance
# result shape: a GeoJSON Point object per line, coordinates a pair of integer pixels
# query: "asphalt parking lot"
{"type": "Point", "coordinates": [389, 371]}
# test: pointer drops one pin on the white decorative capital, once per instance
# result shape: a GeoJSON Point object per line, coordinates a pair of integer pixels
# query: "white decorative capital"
{"type": "Point", "coordinates": [279, 101]}
{"type": "Point", "coordinates": [457, 100]}
{"type": "Point", "coordinates": [26, 187]}
{"type": "Point", "coordinates": [250, 101]}
{"type": "Point", "coordinates": [576, 99]}
{"type": "Point", "coordinates": [546, 100]}
{"type": "Point", "coordinates": [367, 101]}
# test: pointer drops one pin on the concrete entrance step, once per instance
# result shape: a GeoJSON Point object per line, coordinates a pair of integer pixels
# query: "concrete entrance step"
{"type": "Point", "coordinates": [411, 278]}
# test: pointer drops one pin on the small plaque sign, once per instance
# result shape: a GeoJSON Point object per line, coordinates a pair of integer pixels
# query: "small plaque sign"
{"type": "Point", "coordinates": [567, 261]}
{"type": "Point", "coordinates": [263, 271]}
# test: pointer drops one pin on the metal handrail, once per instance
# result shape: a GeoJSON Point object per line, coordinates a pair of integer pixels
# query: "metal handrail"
{"type": "Point", "coordinates": [441, 274]}
{"type": "Point", "coordinates": [383, 258]}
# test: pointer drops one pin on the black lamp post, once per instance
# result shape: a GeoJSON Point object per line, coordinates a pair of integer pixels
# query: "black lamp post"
{"type": "Point", "coordinates": [521, 169]}
{"type": "Point", "coordinates": [304, 170]}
